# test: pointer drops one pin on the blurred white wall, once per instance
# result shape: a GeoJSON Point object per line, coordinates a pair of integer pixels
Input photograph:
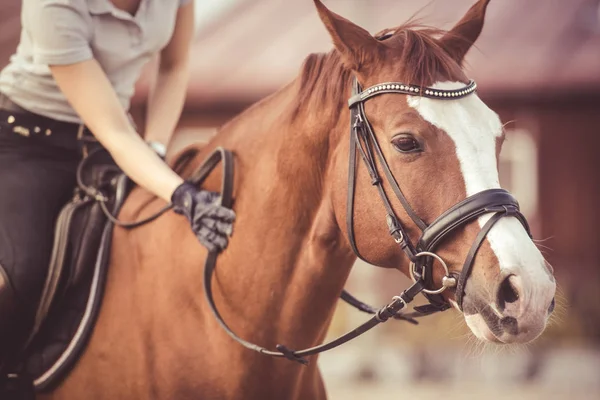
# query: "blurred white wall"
{"type": "Point", "coordinates": [209, 10]}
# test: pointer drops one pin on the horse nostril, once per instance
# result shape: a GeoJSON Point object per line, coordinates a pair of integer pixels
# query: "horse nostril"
{"type": "Point", "coordinates": [507, 293]}
{"type": "Point", "coordinates": [510, 325]}
{"type": "Point", "coordinates": [551, 308]}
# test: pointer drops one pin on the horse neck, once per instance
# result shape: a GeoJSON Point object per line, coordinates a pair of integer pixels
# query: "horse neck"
{"type": "Point", "coordinates": [288, 260]}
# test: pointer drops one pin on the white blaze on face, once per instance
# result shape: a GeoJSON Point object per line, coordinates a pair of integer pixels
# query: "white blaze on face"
{"type": "Point", "coordinates": [475, 129]}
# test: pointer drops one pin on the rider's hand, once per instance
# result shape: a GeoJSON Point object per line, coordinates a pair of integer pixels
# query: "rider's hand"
{"type": "Point", "coordinates": [211, 223]}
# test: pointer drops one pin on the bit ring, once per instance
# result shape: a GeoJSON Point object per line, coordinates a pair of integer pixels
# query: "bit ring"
{"type": "Point", "coordinates": [447, 281]}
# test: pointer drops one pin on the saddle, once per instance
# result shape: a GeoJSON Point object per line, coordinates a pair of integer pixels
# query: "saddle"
{"type": "Point", "coordinates": [74, 286]}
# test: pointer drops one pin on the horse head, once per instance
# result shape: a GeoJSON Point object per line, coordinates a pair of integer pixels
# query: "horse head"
{"type": "Point", "coordinates": [440, 151]}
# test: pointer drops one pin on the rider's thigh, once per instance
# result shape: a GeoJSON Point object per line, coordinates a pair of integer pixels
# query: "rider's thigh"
{"type": "Point", "coordinates": [35, 183]}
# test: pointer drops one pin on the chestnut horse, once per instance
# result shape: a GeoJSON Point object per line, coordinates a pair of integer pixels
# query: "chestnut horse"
{"type": "Point", "coordinates": [290, 253]}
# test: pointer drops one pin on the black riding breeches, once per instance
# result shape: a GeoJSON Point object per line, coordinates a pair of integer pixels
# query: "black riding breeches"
{"type": "Point", "coordinates": [36, 180]}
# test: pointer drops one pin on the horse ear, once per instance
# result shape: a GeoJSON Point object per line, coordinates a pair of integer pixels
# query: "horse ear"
{"type": "Point", "coordinates": [463, 35]}
{"type": "Point", "coordinates": [354, 43]}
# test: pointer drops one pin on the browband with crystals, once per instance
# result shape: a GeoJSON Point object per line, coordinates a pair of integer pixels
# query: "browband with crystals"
{"type": "Point", "coordinates": [395, 87]}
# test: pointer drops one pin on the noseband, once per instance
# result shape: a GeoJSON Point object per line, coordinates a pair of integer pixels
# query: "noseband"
{"type": "Point", "coordinates": [497, 202]}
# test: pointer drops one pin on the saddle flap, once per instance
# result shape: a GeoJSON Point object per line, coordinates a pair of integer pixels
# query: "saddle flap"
{"type": "Point", "coordinates": [85, 230]}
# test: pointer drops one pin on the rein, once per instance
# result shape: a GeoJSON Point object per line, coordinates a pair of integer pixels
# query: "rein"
{"type": "Point", "coordinates": [497, 202]}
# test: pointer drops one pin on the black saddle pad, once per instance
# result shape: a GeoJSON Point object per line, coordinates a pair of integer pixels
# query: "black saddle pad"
{"type": "Point", "coordinates": [64, 333]}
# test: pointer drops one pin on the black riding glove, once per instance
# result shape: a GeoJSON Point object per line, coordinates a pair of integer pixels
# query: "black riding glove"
{"type": "Point", "coordinates": [211, 222]}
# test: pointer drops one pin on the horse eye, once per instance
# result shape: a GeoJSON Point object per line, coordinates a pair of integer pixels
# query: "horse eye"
{"type": "Point", "coordinates": [406, 144]}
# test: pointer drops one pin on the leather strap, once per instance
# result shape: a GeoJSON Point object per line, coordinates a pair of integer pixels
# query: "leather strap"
{"type": "Point", "coordinates": [470, 259]}
{"type": "Point", "coordinates": [411, 90]}
{"type": "Point", "coordinates": [487, 201]}
{"type": "Point", "coordinates": [468, 265]}
{"type": "Point", "coordinates": [362, 124]}
{"type": "Point", "coordinates": [350, 196]}
{"type": "Point", "coordinates": [497, 201]}
{"type": "Point", "coordinates": [360, 306]}
{"type": "Point", "coordinates": [362, 137]}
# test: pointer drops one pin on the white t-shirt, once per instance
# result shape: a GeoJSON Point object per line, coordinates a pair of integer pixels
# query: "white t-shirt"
{"type": "Point", "coordinates": [62, 32]}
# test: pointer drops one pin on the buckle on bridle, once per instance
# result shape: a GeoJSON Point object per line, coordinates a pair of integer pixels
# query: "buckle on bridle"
{"type": "Point", "coordinates": [394, 228]}
{"type": "Point", "coordinates": [398, 237]}
{"type": "Point", "coordinates": [358, 121]}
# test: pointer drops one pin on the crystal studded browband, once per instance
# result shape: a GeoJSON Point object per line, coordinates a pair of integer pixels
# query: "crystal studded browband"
{"type": "Point", "coordinates": [401, 88]}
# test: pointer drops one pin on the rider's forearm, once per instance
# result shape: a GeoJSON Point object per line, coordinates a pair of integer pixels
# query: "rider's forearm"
{"type": "Point", "coordinates": [143, 165]}
{"type": "Point", "coordinates": [90, 93]}
{"type": "Point", "coordinates": [166, 102]}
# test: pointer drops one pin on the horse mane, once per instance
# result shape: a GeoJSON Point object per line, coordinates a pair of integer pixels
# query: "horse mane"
{"type": "Point", "coordinates": [324, 78]}
{"type": "Point", "coordinates": [323, 81]}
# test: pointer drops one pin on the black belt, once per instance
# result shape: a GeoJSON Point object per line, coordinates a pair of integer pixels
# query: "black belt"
{"type": "Point", "coordinates": [27, 124]}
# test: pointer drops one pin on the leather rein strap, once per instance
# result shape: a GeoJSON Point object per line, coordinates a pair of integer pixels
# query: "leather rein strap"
{"type": "Point", "coordinates": [389, 311]}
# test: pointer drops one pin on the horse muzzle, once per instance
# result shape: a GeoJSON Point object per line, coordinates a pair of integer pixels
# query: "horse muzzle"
{"type": "Point", "coordinates": [515, 311]}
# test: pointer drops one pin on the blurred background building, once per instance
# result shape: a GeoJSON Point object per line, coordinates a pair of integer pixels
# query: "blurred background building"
{"type": "Point", "coordinates": [537, 64]}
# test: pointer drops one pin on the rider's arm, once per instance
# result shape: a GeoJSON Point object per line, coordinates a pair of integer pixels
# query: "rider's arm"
{"type": "Point", "coordinates": [90, 93]}
{"type": "Point", "coordinates": [61, 33]}
{"type": "Point", "coordinates": [167, 95]}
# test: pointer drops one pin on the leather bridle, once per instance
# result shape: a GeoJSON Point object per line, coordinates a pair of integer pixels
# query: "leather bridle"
{"type": "Point", "coordinates": [497, 202]}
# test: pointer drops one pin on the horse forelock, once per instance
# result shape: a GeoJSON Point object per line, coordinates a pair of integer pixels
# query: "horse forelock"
{"type": "Point", "coordinates": [414, 53]}
{"type": "Point", "coordinates": [419, 54]}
